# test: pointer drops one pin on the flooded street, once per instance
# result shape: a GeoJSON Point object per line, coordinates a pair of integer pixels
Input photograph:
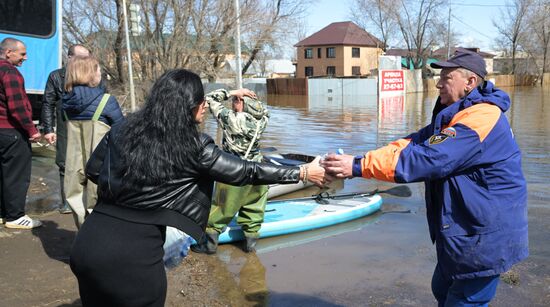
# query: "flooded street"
{"type": "Point", "coordinates": [384, 259]}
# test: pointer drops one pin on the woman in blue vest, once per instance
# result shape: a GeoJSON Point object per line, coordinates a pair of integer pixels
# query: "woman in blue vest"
{"type": "Point", "coordinates": [90, 114]}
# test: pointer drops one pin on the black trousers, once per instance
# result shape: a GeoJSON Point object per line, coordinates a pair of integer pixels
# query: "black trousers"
{"type": "Point", "coordinates": [61, 150]}
{"type": "Point", "coordinates": [15, 173]}
{"type": "Point", "coordinates": [119, 263]}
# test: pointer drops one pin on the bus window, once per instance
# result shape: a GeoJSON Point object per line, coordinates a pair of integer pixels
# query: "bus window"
{"type": "Point", "coordinates": [28, 18]}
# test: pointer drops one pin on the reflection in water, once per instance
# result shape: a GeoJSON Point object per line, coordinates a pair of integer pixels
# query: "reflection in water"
{"type": "Point", "coordinates": [249, 272]}
{"type": "Point", "coordinates": [274, 243]}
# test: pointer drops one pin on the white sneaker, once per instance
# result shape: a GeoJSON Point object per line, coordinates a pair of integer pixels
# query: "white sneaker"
{"type": "Point", "coordinates": [2, 220]}
{"type": "Point", "coordinates": [24, 222]}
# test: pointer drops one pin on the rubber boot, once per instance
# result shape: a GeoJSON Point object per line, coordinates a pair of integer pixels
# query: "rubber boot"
{"type": "Point", "coordinates": [208, 245]}
{"type": "Point", "coordinates": [250, 246]}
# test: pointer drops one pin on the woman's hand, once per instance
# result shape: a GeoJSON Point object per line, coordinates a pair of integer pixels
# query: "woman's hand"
{"type": "Point", "coordinates": [314, 173]}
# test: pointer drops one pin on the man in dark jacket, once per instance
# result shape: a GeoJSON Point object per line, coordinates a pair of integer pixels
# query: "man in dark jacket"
{"type": "Point", "coordinates": [476, 195]}
{"type": "Point", "coordinates": [16, 130]}
{"type": "Point", "coordinates": [53, 112]}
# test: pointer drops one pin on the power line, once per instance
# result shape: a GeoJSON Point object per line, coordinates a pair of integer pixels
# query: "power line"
{"type": "Point", "coordinates": [471, 28]}
{"type": "Point", "coordinates": [474, 4]}
{"type": "Point", "coordinates": [482, 5]}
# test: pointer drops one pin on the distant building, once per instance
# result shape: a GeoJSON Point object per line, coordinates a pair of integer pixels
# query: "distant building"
{"type": "Point", "coordinates": [407, 57]}
{"type": "Point", "coordinates": [279, 69]}
{"type": "Point", "coordinates": [341, 49]}
{"type": "Point", "coordinates": [260, 68]}
{"type": "Point", "coordinates": [524, 63]}
{"type": "Point", "coordinates": [441, 54]}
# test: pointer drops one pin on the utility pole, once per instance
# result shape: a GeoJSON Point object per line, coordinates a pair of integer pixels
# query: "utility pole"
{"type": "Point", "coordinates": [129, 51]}
{"type": "Point", "coordinates": [238, 68]}
{"type": "Point", "coordinates": [449, 32]}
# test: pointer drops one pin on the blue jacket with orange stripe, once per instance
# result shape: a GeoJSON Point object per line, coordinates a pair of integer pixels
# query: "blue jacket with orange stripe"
{"type": "Point", "coordinates": [476, 195]}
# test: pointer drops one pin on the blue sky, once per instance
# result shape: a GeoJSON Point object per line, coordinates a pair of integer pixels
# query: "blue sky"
{"type": "Point", "coordinates": [473, 19]}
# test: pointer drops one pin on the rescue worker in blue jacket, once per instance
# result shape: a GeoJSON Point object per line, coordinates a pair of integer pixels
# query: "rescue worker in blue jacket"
{"type": "Point", "coordinates": [476, 195]}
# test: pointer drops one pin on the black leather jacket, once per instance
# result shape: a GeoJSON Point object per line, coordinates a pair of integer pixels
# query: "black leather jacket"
{"type": "Point", "coordinates": [183, 203]}
{"type": "Point", "coordinates": [52, 100]}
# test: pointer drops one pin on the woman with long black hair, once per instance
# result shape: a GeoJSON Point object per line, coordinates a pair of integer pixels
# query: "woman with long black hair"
{"type": "Point", "coordinates": [154, 171]}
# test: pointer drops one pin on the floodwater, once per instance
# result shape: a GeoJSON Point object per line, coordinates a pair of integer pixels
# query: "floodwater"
{"type": "Point", "coordinates": [387, 258]}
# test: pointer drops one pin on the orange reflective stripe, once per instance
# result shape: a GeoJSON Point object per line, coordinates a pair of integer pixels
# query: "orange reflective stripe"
{"type": "Point", "coordinates": [381, 163]}
{"type": "Point", "coordinates": [481, 118]}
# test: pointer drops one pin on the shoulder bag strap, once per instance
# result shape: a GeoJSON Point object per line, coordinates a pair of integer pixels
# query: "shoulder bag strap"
{"type": "Point", "coordinates": [100, 107]}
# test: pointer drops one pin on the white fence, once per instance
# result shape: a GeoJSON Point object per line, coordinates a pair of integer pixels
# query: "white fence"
{"type": "Point", "coordinates": [342, 87]}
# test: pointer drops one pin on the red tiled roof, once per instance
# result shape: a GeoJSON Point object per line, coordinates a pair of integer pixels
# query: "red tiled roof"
{"type": "Point", "coordinates": [341, 33]}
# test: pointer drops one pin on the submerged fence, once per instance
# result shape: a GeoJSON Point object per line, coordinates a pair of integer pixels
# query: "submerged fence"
{"type": "Point", "coordinates": [362, 86]}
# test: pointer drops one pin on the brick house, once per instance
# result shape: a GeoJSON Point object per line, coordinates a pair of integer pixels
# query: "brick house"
{"type": "Point", "coordinates": [341, 49]}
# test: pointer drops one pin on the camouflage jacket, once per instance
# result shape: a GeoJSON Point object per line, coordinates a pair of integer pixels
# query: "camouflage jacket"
{"type": "Point", "coordinates": [239, 128]}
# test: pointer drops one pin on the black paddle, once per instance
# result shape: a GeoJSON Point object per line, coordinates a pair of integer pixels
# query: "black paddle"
{"type": "Point", "coordinates": [399, 191]}
{"type": "Point", "coordinates": [268, 149]}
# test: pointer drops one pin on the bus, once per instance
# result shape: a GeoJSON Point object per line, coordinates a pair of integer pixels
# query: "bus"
{"type": "Point", "coordinates": [37, 23]}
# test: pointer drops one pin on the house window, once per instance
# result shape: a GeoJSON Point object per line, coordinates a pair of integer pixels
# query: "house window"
{"type": "Point", "coordinates": [309, 71]}
{"type": "Point", "coordinates": [331, 53]}
{"type": "Point", "coordinates": [331, 70]}
{"type": "Point", "coordinates": [308, 53]}
{"type": "Point", "coordinates": [356, 70]}
{"type": "Point", "coordinates": [319, 52]}
{"type": "Point", "coordinates": [355, 52]}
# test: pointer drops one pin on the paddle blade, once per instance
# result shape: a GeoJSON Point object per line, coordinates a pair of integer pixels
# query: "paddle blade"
{"type": "Point", "coordinates": [399, 191]}
{"type": "Point", "coordinates": [268, 149]}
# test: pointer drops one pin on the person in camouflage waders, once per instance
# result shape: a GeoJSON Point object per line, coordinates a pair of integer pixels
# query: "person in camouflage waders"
{"type": "Point", "coordinates": [242, 127]}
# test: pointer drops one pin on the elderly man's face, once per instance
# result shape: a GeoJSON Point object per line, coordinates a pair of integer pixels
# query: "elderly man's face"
{"type": "Point", "coordinates": [452, 85]}
{"type": "Point", "coordinates": [17, 55]}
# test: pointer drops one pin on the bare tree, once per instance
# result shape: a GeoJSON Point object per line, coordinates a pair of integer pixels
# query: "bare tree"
{"type": "Point", "coordinates": [165, 41]}
{"type": "Point", "coordinates": [195, 34]}
{"type": "Point", "coordinates": [119, 44]}
{"type": "Point", "coordinates": [376, 15]}
{"type": "Point", "coordinates": [539, 24]}
{"type": "Point", "coordinates": [271, 22]}
{"type": "Point", "coordinates": [511, 26]}
{"type": "Point", "coordinates": [417, 21]}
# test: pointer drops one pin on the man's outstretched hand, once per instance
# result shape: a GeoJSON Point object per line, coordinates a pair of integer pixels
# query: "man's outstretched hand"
{"type": "Point", "coordinates": [339, 166]}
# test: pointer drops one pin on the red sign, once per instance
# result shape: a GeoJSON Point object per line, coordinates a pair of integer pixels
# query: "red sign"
{"type": "Point", "coordinates": [392, 80]}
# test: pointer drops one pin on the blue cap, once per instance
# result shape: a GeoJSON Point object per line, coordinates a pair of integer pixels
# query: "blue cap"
{"type": "Point", "coordinates": [465, 59]}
